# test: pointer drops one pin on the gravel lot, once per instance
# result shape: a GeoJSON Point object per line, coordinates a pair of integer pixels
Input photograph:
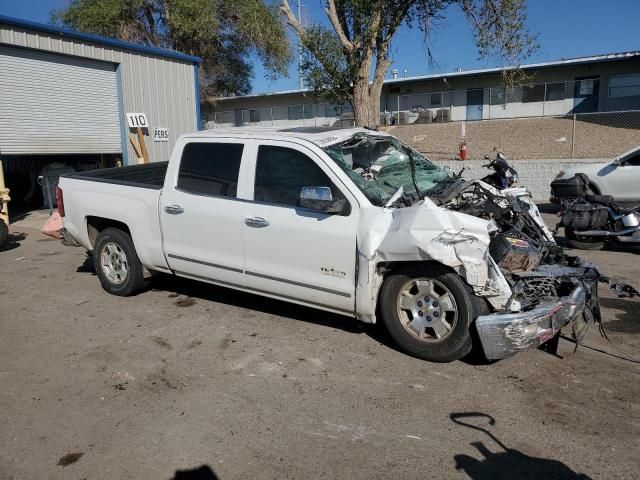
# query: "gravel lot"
{"type": "Point", "coordinates": [188, 376]}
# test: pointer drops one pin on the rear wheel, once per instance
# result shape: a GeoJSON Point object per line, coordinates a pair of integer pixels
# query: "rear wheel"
{"type": "Point", "coordinates": [117, 264]}
{"type": "Point", "coordinates": [582, 243]}
{"type": "Point", "coordinates": [427, 311]}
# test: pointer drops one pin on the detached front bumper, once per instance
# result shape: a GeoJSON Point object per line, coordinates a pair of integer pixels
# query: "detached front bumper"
{"type": "Point", "coordinates": [504, 334]}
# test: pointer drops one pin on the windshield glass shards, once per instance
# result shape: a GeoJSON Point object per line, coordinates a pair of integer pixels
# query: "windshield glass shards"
{"type": "Point", "coordinates": [380, 165]}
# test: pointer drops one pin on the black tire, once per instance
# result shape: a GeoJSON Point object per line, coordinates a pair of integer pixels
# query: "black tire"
{"type": "Point", "coordinates": [4, 232]}
{"type": "Point", "coordinates": [128, 282]}
{"type": "Point", "coordinates": [581, 243]}
{"type": "Point", "coordinates": [457, 343]}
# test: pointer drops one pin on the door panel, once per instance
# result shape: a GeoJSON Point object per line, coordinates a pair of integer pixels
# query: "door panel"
{"type": "Point", "coordinates": [621, 181]}
{"type": "Point", "coordinates": [201, 217]}
{"type": "Point", "coordinates": [295, 252]}
{"type": "Point", "coordinates": [475, 101]}
{"type": "Point", "coordinates": [585, 94]}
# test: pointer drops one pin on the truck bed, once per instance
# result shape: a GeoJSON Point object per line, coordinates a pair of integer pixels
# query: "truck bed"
{"type": "Point", "coordinates": [145, 176]}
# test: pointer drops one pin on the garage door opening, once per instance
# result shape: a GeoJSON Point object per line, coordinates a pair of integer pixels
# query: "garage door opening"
{"type": "Point", "coordinates": [60, 114]}
{"type": "Point", "coordinates": [25, 176]}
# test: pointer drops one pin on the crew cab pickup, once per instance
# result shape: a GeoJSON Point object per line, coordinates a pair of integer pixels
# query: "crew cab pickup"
{"type": "Point", "coordinates": [346, 220]}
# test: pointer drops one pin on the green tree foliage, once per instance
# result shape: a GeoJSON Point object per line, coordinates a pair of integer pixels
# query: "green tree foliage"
{"type": "Point", "coordinates": [349, 61]}
{"type": "Point", "coordinates": [225, 33]}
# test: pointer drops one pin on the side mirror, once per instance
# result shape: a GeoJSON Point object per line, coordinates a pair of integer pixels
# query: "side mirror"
{"type": "Point", "coordinates": [320, 199]}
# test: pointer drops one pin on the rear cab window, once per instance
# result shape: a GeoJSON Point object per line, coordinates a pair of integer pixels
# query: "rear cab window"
{"type": "Point", "coordinates": [208, 168]}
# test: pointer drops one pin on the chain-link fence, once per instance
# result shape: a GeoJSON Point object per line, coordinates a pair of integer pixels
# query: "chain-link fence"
{"type": "Point", "coordinates": [579, 135]}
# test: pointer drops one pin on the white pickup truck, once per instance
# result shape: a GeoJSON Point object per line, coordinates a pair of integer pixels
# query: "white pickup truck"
{"type": "Point", "coordinates": [346, 220]}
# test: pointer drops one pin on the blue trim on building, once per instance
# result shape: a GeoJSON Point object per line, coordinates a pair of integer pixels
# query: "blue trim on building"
{"type": "Point", "coordinates": [123, 121]}
{"type": "Point", "coordinates": [197, 92]}
{"type": "Point", "coordinates": [88, 37]}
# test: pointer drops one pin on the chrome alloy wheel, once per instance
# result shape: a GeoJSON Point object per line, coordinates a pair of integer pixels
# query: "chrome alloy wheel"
{"type": "Point", "coordinates": [427, 309]}
{"type": "Point", "coordinates": [114, 263]}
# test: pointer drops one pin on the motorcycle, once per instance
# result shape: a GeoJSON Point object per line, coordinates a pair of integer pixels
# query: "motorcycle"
{"type": "Point", "coordinates": [503, 176]}
{"type": "Point", "coordinates": [590, 221]}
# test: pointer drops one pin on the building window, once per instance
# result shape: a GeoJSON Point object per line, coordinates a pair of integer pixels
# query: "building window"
{"type": "Point", "coordinates": [585, 87]}
{"type": "Point", "coordinates": [624, 86]}
{"type": "Point", "coordinates": [254, 116]}
{"type": "Point", "coordinates": [497, 96]}
{"type": "Point", "coordinates": [394, 89]}
{"type": "Point", "coordinates": [295, 112]}
{"type": "Point", "coordinates": [435, 99]}
{"type": "Point", "coordinates": [532, 93]}
{"type": "Point", "coordinates": [210, 168]}
{"type": "Point", "coordinates": [555, 91]}
{"type": "Point", "coordinates": [308, 110]}
{"type": "Point", "coordinates": [333, 110]}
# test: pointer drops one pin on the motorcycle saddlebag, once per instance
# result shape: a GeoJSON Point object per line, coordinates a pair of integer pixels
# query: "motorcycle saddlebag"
{"type": "Point", "coordinates": [573, 187]}
{"type": "Point", "coordinates": [584, 216]}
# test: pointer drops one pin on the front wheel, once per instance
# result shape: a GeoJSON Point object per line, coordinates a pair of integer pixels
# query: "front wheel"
{"type": "Point", "coordinates": [116, 263]}
{"type": "Point", "coordinates": [427, 311]}
{"type": "Point", "coordinates": [582, 243]}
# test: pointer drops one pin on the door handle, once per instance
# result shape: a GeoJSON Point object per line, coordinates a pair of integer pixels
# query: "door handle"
{"type": "Point", "coordinates": [173, 209]}
{"type": "Point", "coordinates": [257, 222]}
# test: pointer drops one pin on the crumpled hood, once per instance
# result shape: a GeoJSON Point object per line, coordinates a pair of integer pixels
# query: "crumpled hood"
{"type": "Point", "coordinates": [427, 232]}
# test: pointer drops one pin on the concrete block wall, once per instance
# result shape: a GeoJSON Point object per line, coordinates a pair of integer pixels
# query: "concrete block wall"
{"type": "Point", "coordinates": [536, 175]}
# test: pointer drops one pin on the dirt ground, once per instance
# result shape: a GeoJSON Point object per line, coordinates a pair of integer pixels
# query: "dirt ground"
{"type": "Point", "coordinates": [192, 381]}
{"type": "Point", "coordinates": [595, 136]}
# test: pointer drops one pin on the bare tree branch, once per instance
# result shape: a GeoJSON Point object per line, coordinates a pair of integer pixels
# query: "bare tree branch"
{"type": "Point", "coordinates": [291, 19]}
{"type": "Point", "coordinates": [335, 23]}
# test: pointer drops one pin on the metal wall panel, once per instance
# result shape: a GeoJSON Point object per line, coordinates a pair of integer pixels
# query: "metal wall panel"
{"type": "Point", "coordinates": [54, 104]}
{"type": "Point", "coordinates": [163, 88]}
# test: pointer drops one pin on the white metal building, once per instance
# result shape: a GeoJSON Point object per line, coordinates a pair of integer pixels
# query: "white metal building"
{"type": "Point", "coordinates": [64, 96]}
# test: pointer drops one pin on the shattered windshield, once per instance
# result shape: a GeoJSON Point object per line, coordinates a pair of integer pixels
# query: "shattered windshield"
{"type": "Point", "coordinates": [380, 165]}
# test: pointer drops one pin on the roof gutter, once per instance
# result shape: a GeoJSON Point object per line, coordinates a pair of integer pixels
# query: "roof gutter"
{"type": "Point", "coordinates": [89, 37]}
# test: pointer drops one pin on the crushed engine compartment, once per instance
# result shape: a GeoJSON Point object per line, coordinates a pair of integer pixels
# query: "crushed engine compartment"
{"type": "Point", "coordinates": [537, 269]}
{"type": "Point", "coordinates": [495, 239]}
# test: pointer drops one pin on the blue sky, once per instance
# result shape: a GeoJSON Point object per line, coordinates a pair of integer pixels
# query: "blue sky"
{"type": "Point", "coordinates": [565, 28]}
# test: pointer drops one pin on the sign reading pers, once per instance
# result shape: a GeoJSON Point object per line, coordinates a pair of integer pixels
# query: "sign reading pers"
{"type": "Point", "coordinates": [161, 134]}
{"type": "Point", "coordinates": [136, 120]}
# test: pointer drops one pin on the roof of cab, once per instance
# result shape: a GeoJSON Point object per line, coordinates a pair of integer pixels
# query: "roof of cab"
{"type": "Point", "coordinates": [321, 136]}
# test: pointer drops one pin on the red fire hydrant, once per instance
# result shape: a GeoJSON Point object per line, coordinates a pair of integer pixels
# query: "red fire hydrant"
{"type": "Point", "coordinates": [463, 150]}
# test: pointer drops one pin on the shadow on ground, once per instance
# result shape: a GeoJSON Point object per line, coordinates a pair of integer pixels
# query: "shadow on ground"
{"type": "Point", "coordinates": [178, 286]}
{"type": "Point", "coordinates": [627, 318]}
{"type": "Point", "coordinates": [13, 241]}
{"type": "Point", "coordinates": [201, 473]}
{"type": "Point", "coordinates": [236, 298]}
{"type": "Point", "coordinates": [507, 463]}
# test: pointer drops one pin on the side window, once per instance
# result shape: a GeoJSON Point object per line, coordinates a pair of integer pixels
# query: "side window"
{"type": "Point", "coordinates": [633, 160]}
{"type": "Point", "coordinates": [282, 172]}
{"type": "Point", "coordinates": [210, 168]}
